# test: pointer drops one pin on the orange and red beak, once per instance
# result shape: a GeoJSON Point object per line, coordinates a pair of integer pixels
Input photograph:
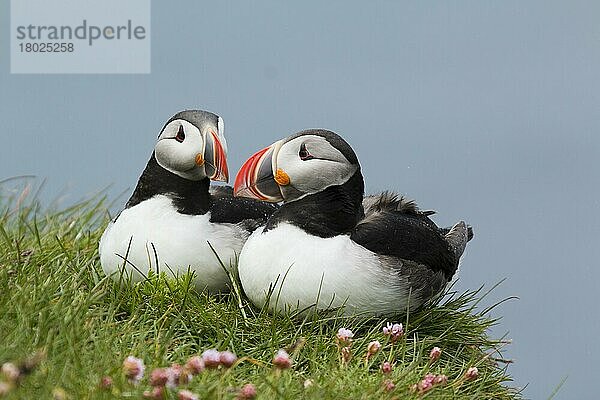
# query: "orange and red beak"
{"type": "Point", "coordinates": [215, 158]}
{"type": "Point", "coordinates": [256, 179]}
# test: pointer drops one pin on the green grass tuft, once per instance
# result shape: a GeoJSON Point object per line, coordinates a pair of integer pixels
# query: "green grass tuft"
{"type": "Point", "coordinates": [56, 300]}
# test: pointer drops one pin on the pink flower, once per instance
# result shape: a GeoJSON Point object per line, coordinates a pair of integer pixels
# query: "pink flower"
{"type": "Point", "coordinates": [373, 347]}
{"type": "Point", "coordinates": [282, 360]}
{"type": "Point", "coordinates": [227, 358]}
{"type": "Point", "coordinates": [177, 375]}
{"type": "Point", "coordinates": [388, 385]}
{"type": "Point", "coordinates": [390, 329]}
{"type": "Point", "coordinates": [247, 392]}
{"type": "Point", "coordinates": [106, 382]}
{"type": "Point", "coordinates": [211, 358]}
{"type": "Point", "coordinates": [173, 375]}
{"type": "Point", "coordinates": [345, 336]}
{"type": "Point", "coordinates": [429, 378]}
{"type": "Point", "coordinates": [186, 395]}
{"type": "Point", "coordinates": [11, 371]}
{"type": "Point", "coordinates": [472, 374]}
{"type": "Point", "coordinates": [386, 367]}
{"type": "Point", "coordinates": [428, 382]}
{"type": "Point", "coordinates": [435, 354]}
{"type": "Point", "coordinates": [195, 365]}
{"type": "Point", "coordinates": [157, 393]}
{"type": "Point", "coordinates": [159, 377]}
{"type": "Point", "coordinates": [440, 380]}
{"type": "Point", "coordinates": [133, 368]}
{"type": "Point", "coordinates": [424, 386]}
{"type": "Point", "coordinates": [394, 331]}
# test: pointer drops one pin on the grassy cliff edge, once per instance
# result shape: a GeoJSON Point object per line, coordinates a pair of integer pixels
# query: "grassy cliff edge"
{"type": "Point", "coordinates": [57, 303]}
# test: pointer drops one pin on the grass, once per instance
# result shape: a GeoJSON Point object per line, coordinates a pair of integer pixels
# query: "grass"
{"type": "Point", "coordinates": [56, 301]}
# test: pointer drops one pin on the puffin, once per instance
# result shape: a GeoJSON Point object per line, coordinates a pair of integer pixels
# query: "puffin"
{"type": "Point", "coordinates": [330, 247]}
{"type": "Point", "coordinates": [175, 221]}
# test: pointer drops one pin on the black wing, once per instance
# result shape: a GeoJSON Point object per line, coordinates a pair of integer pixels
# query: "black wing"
{"type": "Point", "coordinates": [228, 209]}
{"type": "Point", "coordinates": [388, 201]}
{"type": "Point", "coordinates": [395, 227]}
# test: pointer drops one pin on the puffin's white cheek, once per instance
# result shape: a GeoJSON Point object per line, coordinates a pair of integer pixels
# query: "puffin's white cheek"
{"type": "Point", "coordinates": [315, 175]}
{"type": "Point", "coordinates": [172, 155]}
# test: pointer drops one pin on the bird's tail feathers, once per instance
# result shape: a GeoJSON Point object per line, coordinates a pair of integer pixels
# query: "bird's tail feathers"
{"type": "Point", "coordinates": [458, 236]}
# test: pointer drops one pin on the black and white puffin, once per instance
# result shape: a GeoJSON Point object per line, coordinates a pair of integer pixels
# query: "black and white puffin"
{"type": "Point", "coordinates": [173, 213]}
{"type": "Point", "coordinates": [328, 246]}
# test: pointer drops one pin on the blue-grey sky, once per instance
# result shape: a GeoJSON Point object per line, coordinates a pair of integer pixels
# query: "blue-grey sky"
{"type": "Point", "coordinates": [484, 111]}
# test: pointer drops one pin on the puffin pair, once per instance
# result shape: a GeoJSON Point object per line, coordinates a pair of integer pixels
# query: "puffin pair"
{"type": "Point", "coordinates": [326, 246]}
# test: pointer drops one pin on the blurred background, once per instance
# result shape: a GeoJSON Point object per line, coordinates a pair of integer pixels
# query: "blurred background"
{"type": "Point", "coordinates": [488, 112]}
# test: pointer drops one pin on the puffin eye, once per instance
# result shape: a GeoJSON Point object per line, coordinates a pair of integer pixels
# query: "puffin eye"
{"type": "Point", "coordinates": [180, 134]}
{"type": "Point", "coordinates": [303, 153]}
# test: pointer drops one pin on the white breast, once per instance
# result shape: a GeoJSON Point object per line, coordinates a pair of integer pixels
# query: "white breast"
{"type": "Point", "coordinates": [304, 270]}
{"type": "Point", "coordinates": [180, 241]}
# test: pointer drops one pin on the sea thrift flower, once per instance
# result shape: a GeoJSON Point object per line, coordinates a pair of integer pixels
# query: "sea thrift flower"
{"type": "Point", "coordinates": [159, 377]}
{"type": "Point", "coordinates": [435, 354]}
{"type": "Point", "coordinates": [424, 386]}
{"type": "Point", "coordinates": [186, 395]}
{"type": "Point", "coordinates": [177, 375]}
{"type": "Point", "coordinates": [227, 358]}
{"type": "Point", "coordinates": [282, 360]}
{"type": "Point", "coordinates": [211, 358]}
{"type": "Point", "coordinates": [11, 371]}
{"type": "Point", "coordinates": [157, 393]}
{"type": "Point", "coordinates": [195, 365]}
{"type": "Point", "coordinates": [106, 382]}
{"type": "Point", "coordinates": [394, 331]}
{"type": "Point", "coordinates": [345, 336]}
{"type": "Point", "coordinates": [386, 367]}
{"type": "Point", "coordinates": [429, 378]}
{"type": "Point", "coordinates": [133, 368]}
{"type": "Point", "coordinates": [472, 374]}
{"type": "Point", "coordinates": [247, 392]}
{"type": "Point", "coordinates": [344, 342]}
{"type": "Point", "coordinates": [387, 330]}
{"type": "Point", "coordinates": [373, 347]}
{"type": "Point", "coordinates": [388, 385]}
{"type": "Point", "coordinates": [428, 382]}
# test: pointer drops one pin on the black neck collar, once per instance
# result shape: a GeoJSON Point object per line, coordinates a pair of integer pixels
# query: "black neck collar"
{"type": "Point", "coordinates": [331, 212]}
{"type": "Point", "coordinates": [189, 197]}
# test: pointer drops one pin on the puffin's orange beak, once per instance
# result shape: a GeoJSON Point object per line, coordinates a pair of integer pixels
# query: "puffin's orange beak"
{"type": "Point", "coordinates": [215, 159]}
{"type": "Point", "coordinates": [255, 178]}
